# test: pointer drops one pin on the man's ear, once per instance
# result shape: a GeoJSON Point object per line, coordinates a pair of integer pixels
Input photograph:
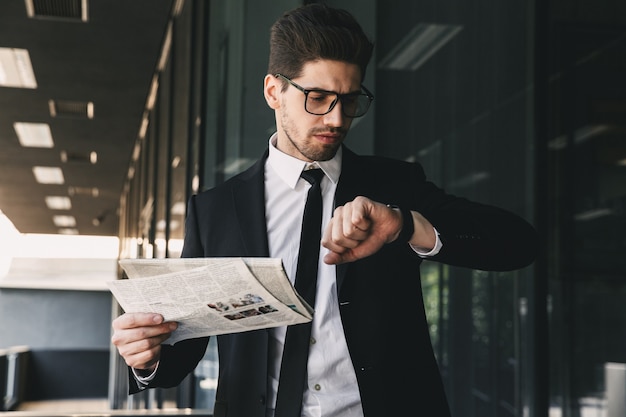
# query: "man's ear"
{"type": "Point", "coordinates": [271, 90]}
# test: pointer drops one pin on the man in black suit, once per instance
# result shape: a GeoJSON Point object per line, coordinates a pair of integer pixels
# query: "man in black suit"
{"type": "Point", "coordinates": [381, 218]}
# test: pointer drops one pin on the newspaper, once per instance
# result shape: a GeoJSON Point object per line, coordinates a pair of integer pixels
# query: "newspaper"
{"type": "Point", "coordinates": [211, 296]}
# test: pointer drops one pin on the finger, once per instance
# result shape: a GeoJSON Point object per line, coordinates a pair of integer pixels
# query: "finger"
{"type": "Point", "coordinates": [142, 354]}
{"type": "Point", "coordinates": [359, 222]}
{"type": "Point", "coordinates": [327, 238]}
{"type": "Point", "coordinates": [342, 232]}
{"type": "Point", "coordinates": [141, 347]}
{"type": "Point", "coordinates": [355, 227]}
{"type": "Point", "coordinates": [333, 258]}
{"type": "Point", "coordinates": [123, 336]}
{"type": "Point", "coordinates": [336, 237]}
{"type": "Point", "coordinates": [364, 248]}
{"type": "Point", "coordinates": [133, 320]}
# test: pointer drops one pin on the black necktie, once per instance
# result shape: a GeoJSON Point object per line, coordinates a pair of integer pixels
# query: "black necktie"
{"type": "Point", "coordinates": [297, 341]}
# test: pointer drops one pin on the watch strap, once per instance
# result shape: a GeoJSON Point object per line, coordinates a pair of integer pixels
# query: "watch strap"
{"type": "Point", "coordinates": [407, 224]}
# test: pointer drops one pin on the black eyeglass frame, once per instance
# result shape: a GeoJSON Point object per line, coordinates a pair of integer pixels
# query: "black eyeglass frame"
{"type": "Point", "coordinates": [365, 92]}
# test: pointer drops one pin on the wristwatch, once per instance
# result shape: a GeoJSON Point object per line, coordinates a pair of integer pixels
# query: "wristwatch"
{"type": "Point", "coordinates": [407, 223]}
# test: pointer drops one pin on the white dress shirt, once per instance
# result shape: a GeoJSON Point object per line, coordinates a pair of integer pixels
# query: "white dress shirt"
{"type": "Point", "coordinates": [332, 388]}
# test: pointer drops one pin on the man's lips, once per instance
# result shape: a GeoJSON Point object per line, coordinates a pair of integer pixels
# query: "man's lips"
{"type": "Point", "coordinates": [328, 137]}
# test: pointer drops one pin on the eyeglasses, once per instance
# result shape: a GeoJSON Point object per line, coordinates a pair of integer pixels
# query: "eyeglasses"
{"type": "Point", "coordinates": [321, 102]}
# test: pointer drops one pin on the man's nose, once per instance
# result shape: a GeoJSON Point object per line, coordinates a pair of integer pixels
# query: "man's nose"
{"type": "Point", "coordinates": [335, 117]}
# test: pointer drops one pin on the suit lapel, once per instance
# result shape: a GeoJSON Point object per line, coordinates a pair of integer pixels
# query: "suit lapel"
{"type": "Point", "coordinates": [249, 205]}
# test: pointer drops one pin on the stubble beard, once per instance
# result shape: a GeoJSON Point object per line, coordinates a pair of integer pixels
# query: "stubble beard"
{"type": "Point", "coordinates": [306, 148]}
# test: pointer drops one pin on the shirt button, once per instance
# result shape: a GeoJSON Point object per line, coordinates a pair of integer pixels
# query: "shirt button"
{"type": "Point", "coordinates": [318, 387]}
{"type": "Point", "coordinates": [312, 341]}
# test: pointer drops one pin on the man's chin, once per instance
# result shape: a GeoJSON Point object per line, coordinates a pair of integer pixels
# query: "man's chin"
{"type": "Point", "coordinates": [328, 152]}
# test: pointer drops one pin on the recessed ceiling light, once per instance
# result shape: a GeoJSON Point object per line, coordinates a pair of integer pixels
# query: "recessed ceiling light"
{"type": "Point", "coordinates": [85, 191]}
{"type": "Point", "coordinates": [76, 157]}
{"type": "Point", "coordinates": [152, 96]}
{"type": "Point", "coordinates": [64, 221]}
{"type": "Point", "coordinates": [34, 135]}
{"type": "Point", "coordinates": [57, 10]}
{"type": "Point", "coordinates": [71, 109]}
{"type": "Point", "coordinates": [48, 175]}
{"type": "Point", "coordinates": [419, 45]}
{"type": "Point", "coordinates": [58, 203]}
{"type": "Point", "coordinates": [16, 69]}
{"type": "Point", "coordinates": [143, 129]}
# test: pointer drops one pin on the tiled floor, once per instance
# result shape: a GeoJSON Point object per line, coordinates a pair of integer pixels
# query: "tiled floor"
{"type": "Point", "coordinates": [79, 406]}
{"type": "Point", "coordinates": [93, 408]}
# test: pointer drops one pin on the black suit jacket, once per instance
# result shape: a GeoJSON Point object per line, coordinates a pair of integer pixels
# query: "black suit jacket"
{"type": "Point", "coordinates": [380, 297]}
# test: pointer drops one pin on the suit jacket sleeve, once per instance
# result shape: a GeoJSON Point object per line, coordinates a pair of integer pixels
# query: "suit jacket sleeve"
{"type": "Point", "coordinates": [475, 235]}
{"type": "Point", "coordinates": [178, 360]}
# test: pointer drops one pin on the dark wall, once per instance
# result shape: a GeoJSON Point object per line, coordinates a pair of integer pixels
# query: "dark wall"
{"type": "Point", "coordinates": [68, 334]}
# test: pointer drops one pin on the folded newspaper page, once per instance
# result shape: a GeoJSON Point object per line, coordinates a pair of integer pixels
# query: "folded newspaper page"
{"type": "Point", "coordinates": [211, 296]}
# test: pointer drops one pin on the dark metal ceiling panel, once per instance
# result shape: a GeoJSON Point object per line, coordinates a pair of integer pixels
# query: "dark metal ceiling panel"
{"type": "Point", "coordinates": [107, 60]}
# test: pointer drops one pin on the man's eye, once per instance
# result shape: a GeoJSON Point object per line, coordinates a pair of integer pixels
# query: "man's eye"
{"type": "Point", "coordinates": [319, 96]}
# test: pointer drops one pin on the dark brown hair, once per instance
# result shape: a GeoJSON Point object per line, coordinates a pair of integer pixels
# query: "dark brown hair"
{"type": "Point", "coordinates": [313, 32]}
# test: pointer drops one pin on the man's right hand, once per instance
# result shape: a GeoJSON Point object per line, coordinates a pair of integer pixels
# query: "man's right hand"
{"type": "Point", "coordinates": [138, 338]}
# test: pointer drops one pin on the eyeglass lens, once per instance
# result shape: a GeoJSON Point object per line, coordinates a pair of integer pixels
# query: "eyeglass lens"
{"type": "Point", "coordinates": [322, 102]}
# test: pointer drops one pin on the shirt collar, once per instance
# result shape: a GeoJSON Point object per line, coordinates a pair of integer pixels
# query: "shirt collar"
{"type": "Point", "coordinates": [289, 168]}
